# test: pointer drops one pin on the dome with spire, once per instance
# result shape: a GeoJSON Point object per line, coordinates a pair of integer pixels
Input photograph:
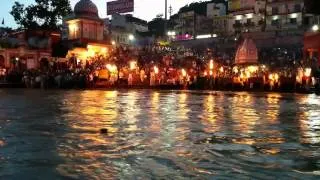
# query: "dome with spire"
{"type": "Point", "coordinates": [86, 8]}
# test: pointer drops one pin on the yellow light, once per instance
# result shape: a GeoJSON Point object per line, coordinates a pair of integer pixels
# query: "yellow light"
{"type": "Point", "coordinates": [252, 69]}
{"type": "Point", "coordinates": [221, 69]}
{"type": "Point", "coordinates": [211, 73]}
{"type": "Point", "coordinates": [104, 50]}
{"type": "Point", "coordinates": [248, 75]}
{"type": "Point", "coordinates": [113, 42]}
{"type": "Point", "coordinates": [211, 64]}
{"type": "Point", "coordinates": [133, 65]}
{"type": "Point", "coordinates": [109, 67]}
{"type": "Point", "coordinates": [307, 72]}
{"type": "Point", "coordinates": [205, 73]}
{"type": "Point", "coordinates": [156, 69]}
{"type": "Point", "coordinates": [73, 27]}
{"type": "Point", "coordinates": [91, 53]}
{"type": "Point", "coordinates": [184, 73]}
{"type": "Point", "coordinates": [270, 76]}
{"type": "Point", "coordinates": [241, 76]}
{"type": "Point", "coordinates": [276, 76]}
{"type": "Point", "coordinates": [235, 69]}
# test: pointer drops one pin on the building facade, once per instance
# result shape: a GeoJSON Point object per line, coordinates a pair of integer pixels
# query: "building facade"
{"type": "Point", "coordinates": [86, 33]}
{"type": "Point", "coordinates": [27, 49]}
{"type": "Point", "coordinates": [125, 28]}
{"type": "Point", "coordinates": [247, 15]}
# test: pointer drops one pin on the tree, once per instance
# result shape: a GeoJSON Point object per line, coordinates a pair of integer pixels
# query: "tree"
{"type": "Point", "coordinates": [46, 14]}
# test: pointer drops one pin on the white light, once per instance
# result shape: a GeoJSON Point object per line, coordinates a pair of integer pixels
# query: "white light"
{"type": "Point", "coordinates": [235, 39]}
{"type": "Point", "coordinates": [249, 16]}
{"type": "Point", "coordinates": [214, 35]}
{"type": "Point", "coordinates": [275, 17]}
{"type": "Point", "coordinates": [238, 17]}
{"type": "Point", "coordinates": [113, 42]}
{"type": "Point", "coordinates": [315, 28]}
{"type": "Point", "coordinates": [204, 36]}
{"type": "Point", "coordinates": [171, 33]}
{"type": "Point", "coordinates": [294, 15]}
{"type": "Point", "coordinates": [131, 37]}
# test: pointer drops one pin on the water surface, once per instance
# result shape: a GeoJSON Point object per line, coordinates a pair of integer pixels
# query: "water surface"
{"type": "Point", "coordinates": [158, 135]}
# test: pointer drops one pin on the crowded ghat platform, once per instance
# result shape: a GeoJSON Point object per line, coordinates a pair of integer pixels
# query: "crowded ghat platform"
{"type": "Point", "coordinates": [122, 67]}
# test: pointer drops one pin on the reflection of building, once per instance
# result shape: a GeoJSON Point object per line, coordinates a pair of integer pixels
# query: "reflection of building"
{"type": "Point", "coordinates": [248, 15]}
{"type": "Point", "coordinates": [86, 31]}
{"type": "Point", "coordinates": [27, 49]}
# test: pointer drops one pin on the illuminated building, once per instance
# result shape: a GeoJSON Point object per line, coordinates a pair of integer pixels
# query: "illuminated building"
{"type": "Point", "coordinates": [85, 31]}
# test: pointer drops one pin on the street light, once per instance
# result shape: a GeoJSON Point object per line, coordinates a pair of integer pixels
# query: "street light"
{"type": "Point", "coordinates": [171, 33]}
{"type": "Point", "coordinates": [131, 37]}
{"type": "Point", "coordinates": [315, 28]}
{"type": "Point", "coordinates": [113, 42]}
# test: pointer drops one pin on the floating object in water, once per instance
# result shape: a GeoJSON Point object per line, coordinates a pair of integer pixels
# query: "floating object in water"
{"type": "Point", "coordinates": [104, 131]}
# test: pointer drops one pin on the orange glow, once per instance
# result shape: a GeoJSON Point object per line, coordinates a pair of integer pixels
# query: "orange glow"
{"type": "Point", "coordinates": [211, 73]}
{"type": "Point", "coordinates": [221, 69]}
{"type": "Point", "coordinates": [133, 65]}
{"type": "Point", "coordinates": [211, 64]}
{"type": "Point", "coordinates": [156, 69]}
{"type": "Point", "coordinates": [184, 73]}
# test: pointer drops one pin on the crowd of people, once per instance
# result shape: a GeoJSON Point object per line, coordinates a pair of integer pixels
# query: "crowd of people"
{"type": "Point", "coordinates": [150, 66]}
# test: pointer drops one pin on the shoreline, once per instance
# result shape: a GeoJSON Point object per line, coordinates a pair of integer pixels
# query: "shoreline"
{"type": "Point", "coordinates": [165, 87]}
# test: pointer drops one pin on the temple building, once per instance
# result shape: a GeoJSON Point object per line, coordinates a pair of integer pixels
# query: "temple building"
{"type": "Point", "coordinates": [247, 53]}
{"type": "Point", "coordinates": [27, 49]}
{"type": "Point", "coordinates": [85, 32]}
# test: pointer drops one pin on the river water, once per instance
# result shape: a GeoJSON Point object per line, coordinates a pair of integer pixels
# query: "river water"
{"type": "Point", "coordinates": [158, 135]}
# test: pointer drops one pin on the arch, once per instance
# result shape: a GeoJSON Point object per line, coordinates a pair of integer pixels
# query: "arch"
{"type": "Point", "coordinates": [44, 63]}
{"type": "Point", "coordinates": [2, 62]}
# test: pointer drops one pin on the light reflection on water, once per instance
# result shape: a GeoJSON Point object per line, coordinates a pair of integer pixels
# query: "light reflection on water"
{"type": "Point", "coordinates": [161, 134]}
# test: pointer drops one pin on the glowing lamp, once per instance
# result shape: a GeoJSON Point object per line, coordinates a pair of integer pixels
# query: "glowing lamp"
{"type": "Point", "coordinates": [133, 65]}
{"type": "Point", "coordinates": [183, 72]}
{"type": "Point", "coordinates": [131, 37]}
{"type": "Point", "coordinates": [221, 69]}
{"type": "Point", "coordinates": [270, 76]}
{"type": "Point", "coordinates": [156, 69]}
{"type": "Point", "coordinates": [211, 64]}
{"type": "Point", "coordinates": [315, 28]}
{"type": "Point", "coordinates": [307, 72]}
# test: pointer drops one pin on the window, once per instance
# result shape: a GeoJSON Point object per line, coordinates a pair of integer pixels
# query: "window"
{"type": "Point", "coordinates": [293, 20]}
{"type": "Point", "coordinates": [275, 22]}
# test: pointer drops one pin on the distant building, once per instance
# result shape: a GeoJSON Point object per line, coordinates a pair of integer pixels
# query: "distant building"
{"type": "Point", "coordinates": [248, 15]}
{"type": "Point", "coordinates": [216, 10]}
{"type": "Point", "coordinates": [27, 49]}
{"type": "Point", "coordinates": [289, 15]}
{"type": "Point", "coordinates": [125, 28]}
